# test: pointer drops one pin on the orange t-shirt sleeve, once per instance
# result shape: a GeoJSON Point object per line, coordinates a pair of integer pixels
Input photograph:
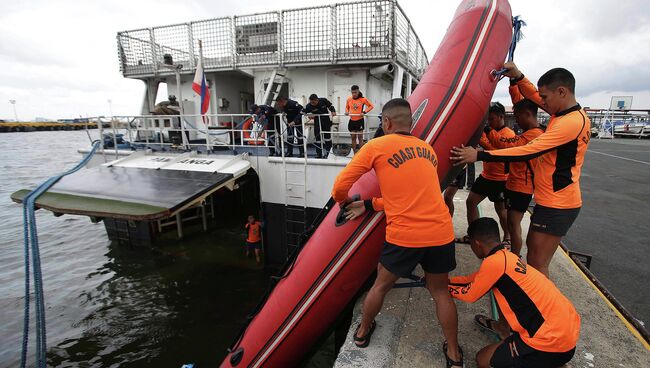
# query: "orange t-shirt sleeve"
{"type": "Point", "coordinates": [529, 91]}
{"type": "Point", "coordinates": [485, 141]}
{"type": "Point", "coordinates": [555, 136]}
{"type": "Point", "coordinates": [480, 282]}
{"type": "Point", "coordinates": [515, 95]}
{"type": "Point", "coordinates": [378, 204]}
{"type": "Point", "coordinates": [369, 105]}
{"type": "Point", "coordinates": [360, 164]}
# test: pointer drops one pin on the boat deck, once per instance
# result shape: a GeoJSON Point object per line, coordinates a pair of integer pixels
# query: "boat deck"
{"type": "Point", "coordinates": [408, 334]}
{"type": "Point", "coordinates": [139, 186]}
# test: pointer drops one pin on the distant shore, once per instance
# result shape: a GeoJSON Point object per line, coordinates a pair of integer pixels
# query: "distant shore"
{"type": "Point", "coordinates": [44, 126]}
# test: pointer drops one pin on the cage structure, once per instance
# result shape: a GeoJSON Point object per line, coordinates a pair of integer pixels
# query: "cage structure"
{"type": "Point", "coordinates": [365, 31]}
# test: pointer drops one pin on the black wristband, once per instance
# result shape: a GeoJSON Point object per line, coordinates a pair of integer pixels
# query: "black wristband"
{"type": "Point", "coordinates": [368, 205]}
{"type": "Point", "coordinates": [515, 80]}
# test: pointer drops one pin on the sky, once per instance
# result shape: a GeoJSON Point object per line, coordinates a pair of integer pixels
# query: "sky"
{"type": "Point", "coordinates": [58, 58]}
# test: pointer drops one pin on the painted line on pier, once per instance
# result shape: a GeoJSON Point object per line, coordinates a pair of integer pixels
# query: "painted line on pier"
{"type": "Point", "coordinates": [621, 157]}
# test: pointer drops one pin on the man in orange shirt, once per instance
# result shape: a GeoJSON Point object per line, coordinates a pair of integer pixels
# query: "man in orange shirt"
{"type": "Point", "coordinates": [545, 325]}
{"type": "Point", "coordinates": [254, 239]}
{"type": "Point", "coordinates": [492, 181]}
{"type": "Point", "coordinates": [354, 107]}
{"type": "Point", "coordinates": [560, 153]}
{"type": "Point", "coordinates": [519, 186]}
{"type": "Point", "coordinates": [419, 229]}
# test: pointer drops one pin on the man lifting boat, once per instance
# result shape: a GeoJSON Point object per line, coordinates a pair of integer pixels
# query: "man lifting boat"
{"type": "Point", "coordinates": [419, 229]}
{"type": "Point", "coordinates": [560, 153]}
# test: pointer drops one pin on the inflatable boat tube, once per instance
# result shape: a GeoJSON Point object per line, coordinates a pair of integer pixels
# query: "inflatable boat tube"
{"type": "Point", "coordinates": [449, 105]}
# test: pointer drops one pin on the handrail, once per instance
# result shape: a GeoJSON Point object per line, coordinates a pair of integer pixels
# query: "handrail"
{"type": "Point", "coordinates": [154, 135]}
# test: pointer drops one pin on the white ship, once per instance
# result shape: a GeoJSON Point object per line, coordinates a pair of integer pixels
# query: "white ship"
{"type": "Point", "coordinates": [155, 171]}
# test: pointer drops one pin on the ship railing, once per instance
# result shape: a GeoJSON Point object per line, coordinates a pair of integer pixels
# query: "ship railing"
{"type": "Point", "coordinates": [219, 132]}
{"type": "Point", "coordinates": [376, 31]}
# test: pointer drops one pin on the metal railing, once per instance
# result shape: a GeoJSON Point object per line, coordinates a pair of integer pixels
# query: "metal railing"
{"type": "Point", "coordinates": [376, 31]}
{"type": "Point", "coordinates": [166, 133]}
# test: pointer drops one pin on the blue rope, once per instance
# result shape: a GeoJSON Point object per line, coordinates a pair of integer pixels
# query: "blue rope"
{"type": "Point", "coordinates": [516, 37]}
{"type": "Point", "coordinates": [30, 233]}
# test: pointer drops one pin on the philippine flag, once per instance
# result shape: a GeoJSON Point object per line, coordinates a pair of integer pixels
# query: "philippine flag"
{"type": "Point", "coordinates": [200, 86]}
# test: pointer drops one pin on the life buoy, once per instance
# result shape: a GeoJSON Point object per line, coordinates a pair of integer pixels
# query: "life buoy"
{"type": "Point", "coordinates": [254, 133]}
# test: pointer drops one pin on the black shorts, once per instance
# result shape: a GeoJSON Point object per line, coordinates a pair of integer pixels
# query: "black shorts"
{"type": "Point", "coordinates": [513, 352]}
{"type": "Point", "coordinates": [554, 221]}
{"type": "Point", "coordinates": [517, 201]}
{"type": "Point", "coordinates": [460, 180]}
{"type": "Point", "coordinates": [355, 125]}
{"type": "Point", "coordinates": [253, 246]}
{"type": "Point", "coordinates": [493, 189]}
{"type": "Point", "coordinates": [402, 260]}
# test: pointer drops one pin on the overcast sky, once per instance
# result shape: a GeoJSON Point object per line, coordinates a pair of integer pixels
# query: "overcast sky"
{"type": "Point", "coordinates": [58, 58]}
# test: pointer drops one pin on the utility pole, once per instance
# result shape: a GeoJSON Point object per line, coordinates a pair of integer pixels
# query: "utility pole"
{"type": "Point", "coordinates": [13, 103]}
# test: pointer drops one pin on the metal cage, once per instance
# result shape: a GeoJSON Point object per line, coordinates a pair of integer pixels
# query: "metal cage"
{"type": "Point", "coordinates": [364, 31]}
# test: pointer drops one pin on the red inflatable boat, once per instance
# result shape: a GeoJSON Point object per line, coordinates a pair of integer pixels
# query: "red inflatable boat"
{"type": "Point", "coordinates": [448, 106]}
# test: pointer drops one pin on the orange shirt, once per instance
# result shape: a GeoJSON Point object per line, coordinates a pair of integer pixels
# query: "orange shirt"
{"type": "Point", "coordinates": [407, 170]}
{"type": "Point", "coordinates": [355, 107]}
{"type": "Point", "coordinates": [520, 174]}
{"type": "Point", "coordinates": [533, 306]}
{"type": "Point", "coordinates": [525, 89]}
{"type": "Point", "coordinates": [254, 233]}
{"type": "Point", "coordinates": [495, 170]}
{"type": "Point", "coordinates": [561, 152]}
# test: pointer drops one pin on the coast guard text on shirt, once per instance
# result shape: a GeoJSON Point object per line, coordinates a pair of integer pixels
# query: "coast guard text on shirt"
{"type": "Point", "coordinates": [409, 153]}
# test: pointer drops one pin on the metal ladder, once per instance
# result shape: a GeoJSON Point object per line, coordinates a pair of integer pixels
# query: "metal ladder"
{"type": "Point", "coordinates": [274, 87]}
{"type": "Point", "coordinates": [295, 203]}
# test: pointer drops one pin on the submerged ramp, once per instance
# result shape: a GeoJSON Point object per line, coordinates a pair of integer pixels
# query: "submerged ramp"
{"type": "Point", "coordinates": [408, 334]}
{"type": "Point", "coordinates": [141, 186]}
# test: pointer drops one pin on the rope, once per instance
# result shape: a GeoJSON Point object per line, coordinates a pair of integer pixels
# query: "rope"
{"type": "Point", "coordinates": [30, 235]}
{"type": "Point", "coordinates": [516, 37]}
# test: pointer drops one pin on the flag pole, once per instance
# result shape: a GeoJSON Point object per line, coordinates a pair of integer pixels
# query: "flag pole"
{"type": "Point", "coordinates": [203, 117]}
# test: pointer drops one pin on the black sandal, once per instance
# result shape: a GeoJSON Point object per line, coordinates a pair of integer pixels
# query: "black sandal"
{"type": "Point", "coordinates": [486, 323]}
{"type": "Point", "coordinates": [366, 338]}
{"type": "Point", "coordinates": [463, 240]}
{"type": "Point", "coordinates": [451, 363]}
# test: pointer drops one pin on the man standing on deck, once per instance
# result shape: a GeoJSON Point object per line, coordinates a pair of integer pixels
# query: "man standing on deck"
{"type": "Point", "coordinates": [492, 181]}
{"type": "Point", "coordinates": [519, 186]}
{"type": "Point", "coordinates": [419, 229]}
{"type": "Point", "coordinates": [268, 117]}
{"type": "Point", "coordinates": [560, 153]}
{"type": "Point", "coordinates": [320, 108]}
{"type": "Point", "coordinates": [293, 112]}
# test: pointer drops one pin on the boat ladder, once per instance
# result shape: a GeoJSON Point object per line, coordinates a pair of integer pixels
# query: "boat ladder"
{"type": "Point", "coordinates": [274, 86]}
{"type": "Point", "coordinates": [295, 182]}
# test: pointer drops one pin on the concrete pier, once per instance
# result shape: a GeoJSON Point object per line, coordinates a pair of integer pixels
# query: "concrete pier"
{"type": "Point", "coordinates": [408, 334]}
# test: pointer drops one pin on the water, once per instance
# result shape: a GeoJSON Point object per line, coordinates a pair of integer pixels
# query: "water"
{"type": "Point", "coordinates": [109, 305]}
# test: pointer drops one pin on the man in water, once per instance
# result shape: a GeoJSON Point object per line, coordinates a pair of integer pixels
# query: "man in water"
{"type": "Point", "coordinates": [419, 229]}
{"type": "Point", "coordinates": [560, 153]}
{"type": "Point", "coordinates": [545, 324]}
{"type": "Point", "coordinates": [254, 238]}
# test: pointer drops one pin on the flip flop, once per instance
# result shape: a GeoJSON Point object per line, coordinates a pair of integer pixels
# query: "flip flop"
{"type": "Point", "coordinates": [507, 244]}
{"type": "Point", "coordinates": [364, 340]}
{"type": "Point", "coordinates": [463, 240]}
{"type": "Point", "coordinates": [486, 323]}
{"type": "Point", "coordinates": [451, 363]}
